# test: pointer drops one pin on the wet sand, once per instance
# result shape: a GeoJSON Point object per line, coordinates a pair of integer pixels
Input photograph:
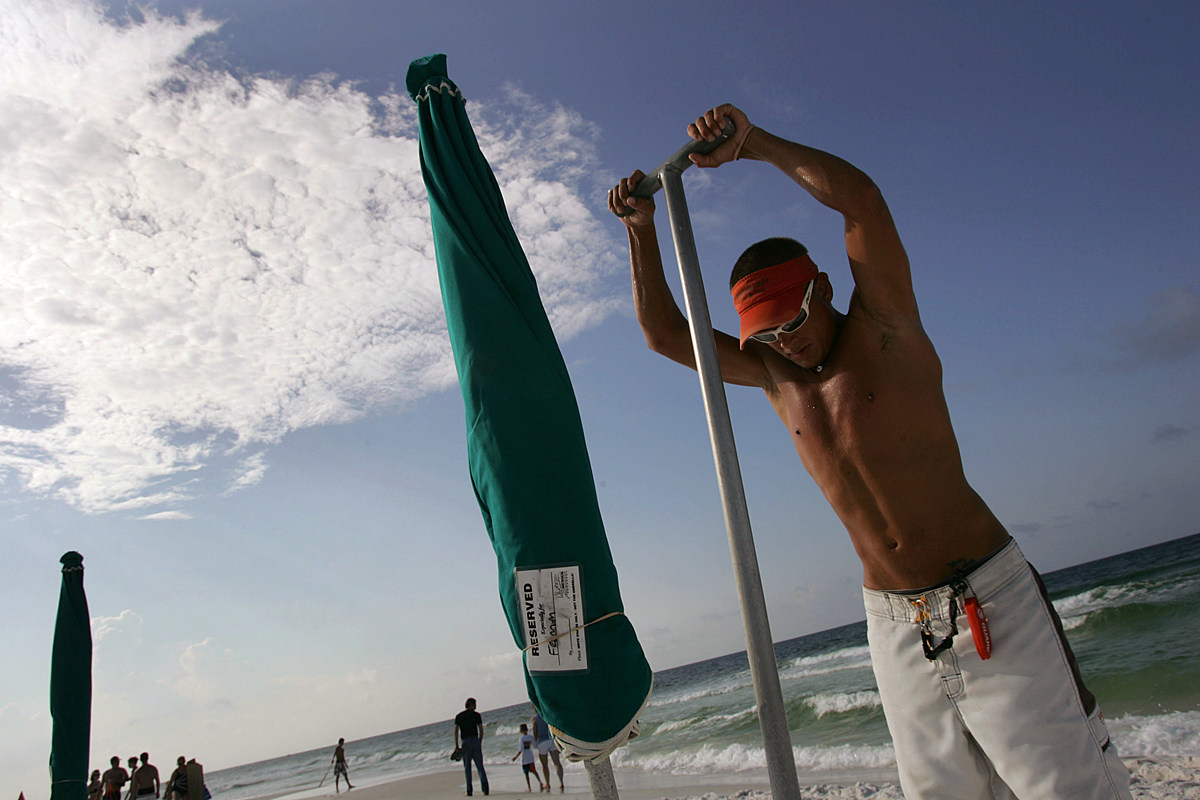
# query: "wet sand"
{"type": "Point", "coordinates": [1155, 779]}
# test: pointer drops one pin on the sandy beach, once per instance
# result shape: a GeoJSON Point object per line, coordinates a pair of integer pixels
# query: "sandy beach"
{"type": "Point", "coordinates": [1168, 778]}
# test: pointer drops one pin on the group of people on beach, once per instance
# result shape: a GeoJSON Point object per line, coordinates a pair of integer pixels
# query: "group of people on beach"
{"type": "Point", "coordinates": [541, 742]}
{"type": "Point", "coordinates": [141, 778]}
{"type": "Point", "coordinates": [535, 743]}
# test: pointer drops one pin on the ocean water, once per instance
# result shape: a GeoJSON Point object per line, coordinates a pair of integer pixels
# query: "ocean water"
{"type": "Point", "coordinates": [1133, 621]}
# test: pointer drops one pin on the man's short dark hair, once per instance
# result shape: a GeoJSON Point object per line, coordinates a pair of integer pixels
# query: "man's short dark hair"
{"type": "Point", "coordinates": [767, 253]}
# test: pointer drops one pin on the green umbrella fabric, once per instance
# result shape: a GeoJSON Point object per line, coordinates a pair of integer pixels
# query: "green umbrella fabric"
{"type": "Point", "coordinates": [71, 686]}
{"type": "Point", "coordinates": [585, 671]}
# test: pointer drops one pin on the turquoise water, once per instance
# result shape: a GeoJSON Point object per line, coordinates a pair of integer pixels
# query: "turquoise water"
{"type": "Point", "coordinates": [1132, 619]}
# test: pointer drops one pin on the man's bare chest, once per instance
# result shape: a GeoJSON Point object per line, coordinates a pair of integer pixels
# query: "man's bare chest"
{"type": "Point", "coordinates": [862, 419]}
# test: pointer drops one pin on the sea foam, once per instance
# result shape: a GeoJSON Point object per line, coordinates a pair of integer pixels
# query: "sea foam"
{"type": "Point", "coordinates": [1174, 734]}
{"type": "Point", "coordinates": [709, 760]}
{"type": "Point", "coordinates": [841, 702]}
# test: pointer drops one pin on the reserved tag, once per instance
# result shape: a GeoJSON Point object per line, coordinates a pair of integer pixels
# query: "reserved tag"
{"type": "Point", "coordinates": [552, 618]}
{"type": "Point", "coordinates": [979, 628]}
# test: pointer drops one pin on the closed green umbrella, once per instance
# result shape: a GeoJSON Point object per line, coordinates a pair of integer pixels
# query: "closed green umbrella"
{"type": "Point", "coordinates": [71, 686]}
{"type": "Point", "coordinates": [585, 671]}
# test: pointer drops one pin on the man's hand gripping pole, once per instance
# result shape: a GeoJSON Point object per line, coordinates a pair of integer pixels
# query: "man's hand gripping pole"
{"type": "Point", "coordinates": [679, 162]}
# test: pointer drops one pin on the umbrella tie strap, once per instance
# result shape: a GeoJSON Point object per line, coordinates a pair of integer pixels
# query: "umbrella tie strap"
{"type": "Point", "coordinates": [558, 636]}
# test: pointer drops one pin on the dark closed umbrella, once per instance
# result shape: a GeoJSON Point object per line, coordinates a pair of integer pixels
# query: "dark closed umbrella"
{"type": "Point", "coordinates": [71, 686]}
{"type": "Point", "coordinates": [526, 451]}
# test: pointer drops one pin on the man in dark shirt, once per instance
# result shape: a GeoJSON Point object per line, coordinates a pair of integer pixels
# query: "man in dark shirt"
{"type": "Point", "coordinates": [468, 734]}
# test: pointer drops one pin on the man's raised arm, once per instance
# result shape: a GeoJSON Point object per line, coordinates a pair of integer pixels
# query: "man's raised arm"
{"type": "Point", "coordinates": [663, 324]}
{"type": "Point", "coordinates": [877, 259]}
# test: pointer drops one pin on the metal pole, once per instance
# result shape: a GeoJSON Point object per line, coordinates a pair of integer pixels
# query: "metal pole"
{"type": "Point", "coordinates": [777, 740]}
{"type": "Point", "coordinates": [600, 776]}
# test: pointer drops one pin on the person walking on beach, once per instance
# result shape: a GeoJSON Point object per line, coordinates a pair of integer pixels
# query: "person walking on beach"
{"type": "Point", "coordinates": [860, 393]}
{"type": "Point", "coordinates": [547, 750]}
{"type": "Point", "coordinates": [526, 752]}
{"type": "Point", "coordinates": [114, 778]}
{"type": "Point", "coordinates": [468, 734]}
{"type": "Point", "coordinates": [340, 769]}
{"type": "Point", "coordinates": [145, 779]}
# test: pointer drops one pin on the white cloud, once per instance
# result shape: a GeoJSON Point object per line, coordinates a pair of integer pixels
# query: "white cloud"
{"type": "Point", "coordinates": [125, 626]}
{"type": "Point", "coordinates": [167, 516]}
{"type": "Point", "coordinates": [250, 471]}
{"type": "Point", "coordinates": [193, 265]}
{"type": "Point", "coordinates": [209, 674]}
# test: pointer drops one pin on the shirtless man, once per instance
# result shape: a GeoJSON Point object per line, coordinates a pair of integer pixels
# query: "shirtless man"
{"type": "Point", "coordinates": [113, 779]}
{"type": "Point", "coordinates": [133, 765]}
{"type": "Point", "coordinates": [145, 779]}
{"type": "Point", "coordinates": [860, 394]}
{"type": "Point", "coordinates": [340, 768]}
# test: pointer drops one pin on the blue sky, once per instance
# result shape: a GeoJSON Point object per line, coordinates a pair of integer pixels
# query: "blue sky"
{"type": "Point", "coordinates": [224, 375]}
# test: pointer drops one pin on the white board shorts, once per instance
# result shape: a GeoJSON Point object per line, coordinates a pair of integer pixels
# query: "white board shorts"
{"type": "Point", "coordinates": [546, 746]}
{"type": "Point", "coordinates": [1019, 724]}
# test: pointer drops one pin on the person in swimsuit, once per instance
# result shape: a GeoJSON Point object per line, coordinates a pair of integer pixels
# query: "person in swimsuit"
{"type": "Point", "coordinates": [145, 779]}
{"type": "Point", "coordinates": [95, 789]}
{"type": "Point", "coordinates": [114, 778]}
{"type": "Point", "coordinates": [340, 769]}
{"type": "Point", "coordinates": [860, 395]}
{"type": "Point", "coordinates": [177, 783]}
{"type": "Point", "coordinates": [547, 750]}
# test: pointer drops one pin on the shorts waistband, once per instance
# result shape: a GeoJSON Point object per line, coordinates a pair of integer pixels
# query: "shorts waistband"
{"type": "Point", "coordinates": [984, 581]}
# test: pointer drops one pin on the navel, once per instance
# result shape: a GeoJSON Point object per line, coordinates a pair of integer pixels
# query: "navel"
{"type": "Point", "coordinates": [892, 544]}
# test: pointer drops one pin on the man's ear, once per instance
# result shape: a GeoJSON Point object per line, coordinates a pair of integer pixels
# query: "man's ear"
{"type": "Point", "coordinates": [824, 289]}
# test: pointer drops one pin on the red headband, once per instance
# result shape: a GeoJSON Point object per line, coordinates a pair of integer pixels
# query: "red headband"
{"type": "Point", "coordinates": [772, 296]}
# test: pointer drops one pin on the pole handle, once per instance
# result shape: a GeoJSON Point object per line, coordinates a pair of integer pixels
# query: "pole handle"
{"type": "Point", "coordinates": [680, 161]}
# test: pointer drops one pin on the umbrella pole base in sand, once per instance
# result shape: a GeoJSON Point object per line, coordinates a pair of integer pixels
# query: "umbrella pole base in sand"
{"type": "Point", "coordinates": [600, 776]}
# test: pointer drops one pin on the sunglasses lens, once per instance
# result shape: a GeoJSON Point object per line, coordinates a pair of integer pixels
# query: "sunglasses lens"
{"type": "Point", "coordinates": [796, 323]}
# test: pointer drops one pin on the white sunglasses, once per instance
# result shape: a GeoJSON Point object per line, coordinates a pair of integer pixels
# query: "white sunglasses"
{"type": "Point", "coordinates": [766, 337]}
